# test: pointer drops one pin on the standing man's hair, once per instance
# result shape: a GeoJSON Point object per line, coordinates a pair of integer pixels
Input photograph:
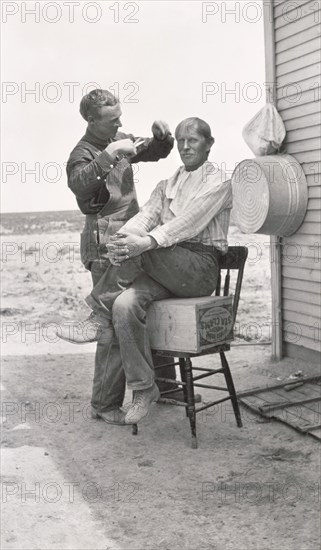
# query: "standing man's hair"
{"type": "Point", "coordinates": [91, 103]}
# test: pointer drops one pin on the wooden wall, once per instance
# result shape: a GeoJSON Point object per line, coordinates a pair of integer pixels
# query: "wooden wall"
{"type": "Point", "coordinates": [297, 97]}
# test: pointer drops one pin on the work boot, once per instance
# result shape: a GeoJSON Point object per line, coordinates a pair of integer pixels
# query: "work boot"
{"type": "Point", "coordinates": [141, 404]}
{"type": "Point", "coordinates": [114, 416]}
{"type": "Point", "coordinates": [84, 332]}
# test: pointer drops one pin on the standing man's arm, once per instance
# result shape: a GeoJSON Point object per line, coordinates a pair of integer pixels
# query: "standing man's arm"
{"type": "Point", "coordinates": [86, 174]}
{"type": "Point", "coordinates": [157, 147]}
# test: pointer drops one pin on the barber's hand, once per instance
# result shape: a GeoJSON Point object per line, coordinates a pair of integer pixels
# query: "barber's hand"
{"type": "Point", "coordinates": [160, 129]}
{"type": "Point", "coordinates": [122, 147]}
{"type": "Point", "coordinates": [125, 246]}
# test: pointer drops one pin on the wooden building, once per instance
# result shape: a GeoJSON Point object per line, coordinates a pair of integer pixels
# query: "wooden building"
{"type": "Point", "coordinates": [293, 59]}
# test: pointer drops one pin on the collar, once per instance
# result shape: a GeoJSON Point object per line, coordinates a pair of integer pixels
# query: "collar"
{"type": "Point", "coordinates": [174, 181]}
{"type": "Point", "coordinates": [181, 175]}
{"type": "Point", "coordinates": [96, 141]}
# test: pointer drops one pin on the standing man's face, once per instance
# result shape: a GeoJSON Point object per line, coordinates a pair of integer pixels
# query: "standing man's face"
{"type": "Point", "coordinates": [107, 123]}
{"type": "Point", "coordinates": [192, 147]}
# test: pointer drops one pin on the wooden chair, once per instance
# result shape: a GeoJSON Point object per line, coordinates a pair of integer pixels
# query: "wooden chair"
{"type": "Point", "coordinates": [234, 260]}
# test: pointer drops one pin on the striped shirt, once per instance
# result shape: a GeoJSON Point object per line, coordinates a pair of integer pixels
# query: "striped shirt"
{"type": "Point", "coordinates": [190, 206]}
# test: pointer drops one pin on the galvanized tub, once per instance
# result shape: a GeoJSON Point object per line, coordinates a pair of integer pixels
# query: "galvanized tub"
{"type": "Point", "coordinates": [270, 195]}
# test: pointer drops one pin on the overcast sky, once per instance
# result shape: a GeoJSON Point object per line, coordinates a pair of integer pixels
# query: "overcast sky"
{"type": "Point", "coordinates": [166, 60]}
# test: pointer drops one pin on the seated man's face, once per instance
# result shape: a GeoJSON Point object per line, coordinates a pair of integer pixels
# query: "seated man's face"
{"type": "Point", "coordinates": [192, 147]}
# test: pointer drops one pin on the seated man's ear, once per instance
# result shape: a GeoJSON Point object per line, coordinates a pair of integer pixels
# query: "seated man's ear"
{"type": "Point", "coordinates": [210, 142]}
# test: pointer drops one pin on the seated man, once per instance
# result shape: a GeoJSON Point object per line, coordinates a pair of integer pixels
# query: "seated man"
{"type": "Point", "coordinates": [178, 237]}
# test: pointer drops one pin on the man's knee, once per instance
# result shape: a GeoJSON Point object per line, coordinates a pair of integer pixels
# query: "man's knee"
{"type": "Point", "coordinates": [125, 306]}
{"type": "Point", "coordinates": [127, 313]}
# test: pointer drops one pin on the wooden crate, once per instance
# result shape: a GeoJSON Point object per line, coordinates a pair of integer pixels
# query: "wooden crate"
{"type": "Point", "coordinates": [190, 324]}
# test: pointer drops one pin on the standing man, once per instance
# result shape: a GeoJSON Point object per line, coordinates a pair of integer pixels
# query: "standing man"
{"type": "Point", "coordinates": [100, 174]}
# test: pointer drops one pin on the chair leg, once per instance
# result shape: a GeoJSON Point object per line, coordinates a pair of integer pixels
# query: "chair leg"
{"type": "Point", "coordinates": [190, 400]}
{"type": "Point", "coordinates": [231, 389]}
{"type": "Point", "coordinates": [183, 378]}
{"type": "Point", "coordinates": [134, 429]}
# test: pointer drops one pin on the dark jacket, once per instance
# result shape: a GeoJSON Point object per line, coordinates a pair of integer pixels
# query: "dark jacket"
{"type": "Point", "coordinates": [105, 189]}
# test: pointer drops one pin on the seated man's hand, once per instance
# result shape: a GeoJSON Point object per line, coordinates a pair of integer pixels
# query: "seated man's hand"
{"type": "Point", "coordinates": [124, 246]}
{"type": "Point", "coordinates": [160, 129]}
{"type": "Point", "coordinates": [123, 147]}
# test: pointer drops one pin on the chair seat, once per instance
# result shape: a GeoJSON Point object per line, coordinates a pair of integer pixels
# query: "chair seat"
{"type": "Point", "coordinates": [190, 325]}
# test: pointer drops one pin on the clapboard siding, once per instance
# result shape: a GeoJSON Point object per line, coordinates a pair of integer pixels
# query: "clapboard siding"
{"type": "Point", "coordinates": [300, 75]}
{"type": "Point", "coordinates": [293, 46]}
{"type": "Point", "coordinates": [301, 110]}
{"type": "Point", "coordinates": [293, 90]}
{"type": "Point", "coordinates": [312, 172]}
{"type": "Point", "coordinates": [313, 216]}
{"type": "Point", "coordinates": [295, 52]}
{"type": "Point", "coordinates": [295, 27]}
{"type": "Point", "coordinates": [302, 274]}
{"type": "Point", "coordinates": [301, 334]}
{"type": "Point", "coordinates": [307, 287]}
{"type": "Point", "coordinates": [288, 8]}
{"type": "Point", "coordinates": [314, 192]}
{"type": "Point", "coordinates": [303, 133]}
{"type": "Point", "coordinates": [308, 233]}
{"type": "Point", "coordinates": [305, 156]}
{"type": "Point", "coordinates": [314, 204]}
{"type": "Point", "coordinates": [293, 252]}
{"type": "Point", "coordinates": [301, 340]}
{"type": "Point", "coordinates": [298, 295]}
{"type": "Point", "coordinates": [306, 121]}
{"type": "Point", "coordinates": [295, 259]}
{"type": "Point", "coordinates": [297, 63]}
{"type": "Point", "coordinates": [292, 41]}
{"type": "Point", "coordinates": [297, 2]}
{"type": "Point", "coordinates": [290, 261]}
{"type": "Point", "coordinates": [301, 319]}
{"type": "Point", "coordinates": [299, 262]}
{"type": "Point", "coordinates": [290, 17]}
{"type": "Point", "coordinates": [301, 98]}
{"type": "Point", "coordinates": [308, 144]}
{"type": "Point", "coordinates": [306, 308]}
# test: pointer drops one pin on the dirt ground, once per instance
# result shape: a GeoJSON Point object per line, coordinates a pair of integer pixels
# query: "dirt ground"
{"type": "Point", "coordinates": [71, 482]}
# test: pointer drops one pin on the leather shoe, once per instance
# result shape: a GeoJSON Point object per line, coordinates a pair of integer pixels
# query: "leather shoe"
{"type": "Point", "coordinates": [84, 332]}
{"type": "Point", "coordinates": [114, 416]}
{"type": "Point", "coordinates": [141, 404]}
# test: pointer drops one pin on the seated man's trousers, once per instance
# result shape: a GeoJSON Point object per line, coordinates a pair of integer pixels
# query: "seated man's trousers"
{"type": "Point", "coordinates": [185, 270]}
{"type": "Point", "coordinates": [109, 381]}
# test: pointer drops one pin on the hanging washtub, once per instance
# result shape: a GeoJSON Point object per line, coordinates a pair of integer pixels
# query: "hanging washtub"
{"type": "Point", "coordinates": [270, 195]}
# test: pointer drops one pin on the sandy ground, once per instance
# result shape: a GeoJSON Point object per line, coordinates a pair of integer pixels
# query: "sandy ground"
{"type": "Point", "coordinates": [70, 482]}
{"type": "Point", "coordinates": [44, 283]}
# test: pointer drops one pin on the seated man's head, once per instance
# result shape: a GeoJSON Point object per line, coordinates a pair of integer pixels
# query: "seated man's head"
{"type": "Point", "coordinates": [194, 142]}
{"type": "Point", "coordinates": [102, 111]}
